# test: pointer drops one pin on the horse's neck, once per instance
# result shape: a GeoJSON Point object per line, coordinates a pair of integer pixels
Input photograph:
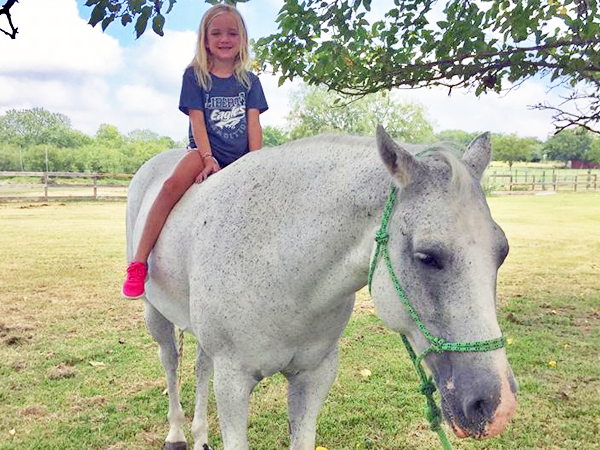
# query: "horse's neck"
{"type": "Point", "coordinates": [346, 197]}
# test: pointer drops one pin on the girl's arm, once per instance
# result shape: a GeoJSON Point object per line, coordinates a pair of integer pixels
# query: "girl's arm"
{"type": "Point", "coordinates": [254, 130]}
{"type": "Point", "coordinates": [203, 144]}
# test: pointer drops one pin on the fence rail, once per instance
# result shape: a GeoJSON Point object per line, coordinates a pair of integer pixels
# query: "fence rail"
{"type": "Point", "coordinates": [57, 190]}
{"type": "Point", "coordinates": [543, 182]}
{"type": "Point", "coordinates": [48, 189]}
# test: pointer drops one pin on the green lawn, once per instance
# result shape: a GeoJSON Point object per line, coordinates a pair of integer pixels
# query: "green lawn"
{"type": "Point", "coordinates": [78, 370]}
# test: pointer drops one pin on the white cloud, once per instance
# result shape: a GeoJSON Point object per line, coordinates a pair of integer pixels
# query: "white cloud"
{"type": "Point", "coordinates": [54, 40]}
{"type": "Point", "coordinates": [160, 61]}
{"type": "Point", "coordinates": [143, 100]}
{"type": "Point", "coordinates": [505, 113]}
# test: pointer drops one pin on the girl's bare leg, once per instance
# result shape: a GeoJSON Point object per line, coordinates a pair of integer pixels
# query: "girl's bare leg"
{"type": "Point", "coordinates": [172, 190]}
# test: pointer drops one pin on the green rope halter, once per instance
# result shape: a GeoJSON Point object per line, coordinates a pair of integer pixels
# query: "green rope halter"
{"type": "Point", "coordinates": [436, 344]}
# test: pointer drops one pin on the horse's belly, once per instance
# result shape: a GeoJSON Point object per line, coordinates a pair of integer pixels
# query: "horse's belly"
{"type": "Point", "coordinates": [268, 336]}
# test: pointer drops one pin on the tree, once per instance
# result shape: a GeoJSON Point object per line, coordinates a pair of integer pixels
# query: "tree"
{"type": "Point", "coordinates": [486, 45]}
{"type": "Point", "coordinates": [316, 110]}
{"type": "Point", "coordinates": [37, 126]}
{"type": "Point", "coordinates": [109, 136]}
{"type": "Point", "coordinates": [458, 139]}
{"type": "Point", "coordinates": [569, 145]}
{"type": "Point", "coordinates": [593, 155]}
{"type": "Point", "coordinates": [273, 136]}
{"type": "Point", "coordinates": [511, 148]}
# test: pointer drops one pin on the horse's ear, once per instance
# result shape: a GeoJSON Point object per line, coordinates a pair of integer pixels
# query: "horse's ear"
{"type": "Point", "coordinates": [479, 154]}
{"type": "Point", "coordinates": [401, 164]}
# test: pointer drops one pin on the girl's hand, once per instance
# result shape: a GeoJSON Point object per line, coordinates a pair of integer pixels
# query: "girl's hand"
{"type": "Point", "coordinates": [210, 166]}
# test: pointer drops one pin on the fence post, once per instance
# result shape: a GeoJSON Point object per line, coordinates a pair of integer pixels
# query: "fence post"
{"type": "Point", "coordinates": [511, 183]}
{"type": "Point", "coordinates": [46, 186]}
{"type": "Point", "coordinates": [95, 186]}
{"type": "Point", "coordinates": [533, 182]}
{"type": "Point", "coordinates": [543, 180]}
{"type": "Point", "coordinates": [576, 182]}
{"type": "Point", "coordinates": [554, 186]}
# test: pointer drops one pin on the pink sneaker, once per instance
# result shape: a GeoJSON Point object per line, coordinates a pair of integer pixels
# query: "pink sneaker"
{"type": "Point", "coordinates": [134, 283]}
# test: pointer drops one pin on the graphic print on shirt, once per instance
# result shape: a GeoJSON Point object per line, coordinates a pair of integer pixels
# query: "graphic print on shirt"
{"type": "Point", "coordinates": [226, 115]}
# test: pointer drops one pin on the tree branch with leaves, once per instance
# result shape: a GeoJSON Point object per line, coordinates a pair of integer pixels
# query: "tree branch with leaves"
{"type": "Point", "coordinates": [482, 45]}
{"type": "Point", "coordinates": [5, 11]}
{"type": "Point", "coordinates": [485, 45]}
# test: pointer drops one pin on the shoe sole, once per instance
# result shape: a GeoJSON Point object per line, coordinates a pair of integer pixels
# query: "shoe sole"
{"type": "Point", "coordinates": [131, 298]}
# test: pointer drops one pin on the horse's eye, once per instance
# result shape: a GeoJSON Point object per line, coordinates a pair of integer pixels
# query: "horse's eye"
{"type": "Point", "coordinates": [428, 259]}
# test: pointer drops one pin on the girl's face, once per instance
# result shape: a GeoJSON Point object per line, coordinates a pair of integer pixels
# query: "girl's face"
{"type": "Point", "coordinates": [223, 38]}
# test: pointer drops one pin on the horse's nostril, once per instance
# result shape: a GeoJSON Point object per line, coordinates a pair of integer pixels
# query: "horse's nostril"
{"type": "Point", "coordinates": [478, 412]}
{"type": "Point", "coordinates": [478, 407]}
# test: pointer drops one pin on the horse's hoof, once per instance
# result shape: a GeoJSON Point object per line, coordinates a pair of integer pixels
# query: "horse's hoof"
{"type": "Point", "coordinates": [206, 447]}
{"type": "Point", "coordinates": [175, 446]}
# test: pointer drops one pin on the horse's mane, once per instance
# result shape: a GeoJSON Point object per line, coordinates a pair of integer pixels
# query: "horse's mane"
{"type": "Point", "coordinates": [460, 177]}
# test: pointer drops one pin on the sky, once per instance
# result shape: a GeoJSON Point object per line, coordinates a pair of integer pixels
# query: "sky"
{"type": "Point", "coordinates": [60, 63]}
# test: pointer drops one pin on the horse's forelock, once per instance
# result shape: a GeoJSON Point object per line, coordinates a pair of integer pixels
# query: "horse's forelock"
{"type": "Point", "coordinates": [461, 179]}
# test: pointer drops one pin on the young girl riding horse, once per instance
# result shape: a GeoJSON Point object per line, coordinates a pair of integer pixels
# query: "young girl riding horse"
{"type": "Point", "coordinates": [223, 101]}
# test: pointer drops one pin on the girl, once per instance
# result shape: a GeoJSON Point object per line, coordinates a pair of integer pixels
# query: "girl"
{"type": "Point", "coordinates": [223, 101]}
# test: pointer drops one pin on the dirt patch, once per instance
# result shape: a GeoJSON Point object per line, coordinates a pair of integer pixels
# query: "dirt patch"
{"type": "Point", "coordinates": [34, 206]}
{"type": "Point", "coordinates": [62, 371]}
{"type": "Point", "coordinates": [18, 365]}
{"type": "Point", "coordinates": [589, 321]}
{"type": "Point", "coordinates": [117, 447]}
{"type": "Point", "coordinates": [12, 335]}
{"type": "Point", "coordinates": [34, 411]}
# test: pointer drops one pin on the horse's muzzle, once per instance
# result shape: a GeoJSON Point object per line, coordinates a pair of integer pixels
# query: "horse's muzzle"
{"type": "Point", "coordinates": [482, 405]}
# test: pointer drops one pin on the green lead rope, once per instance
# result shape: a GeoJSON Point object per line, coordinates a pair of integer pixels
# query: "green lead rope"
{"type": "Point", "coordinates": [436, 344]}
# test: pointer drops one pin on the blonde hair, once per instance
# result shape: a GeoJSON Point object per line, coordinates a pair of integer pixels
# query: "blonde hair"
{"type": "Point", "coordinates": [202, 63]}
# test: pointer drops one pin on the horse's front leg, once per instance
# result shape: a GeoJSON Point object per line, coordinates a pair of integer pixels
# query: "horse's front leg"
{"type": "Point", "coordinates": [204, 369]}
{"type": "Point", "coordinates": [233, 387]}
{"type": "Point", "coordinates": [163, 332]}
{"type": "Point", "coordinates": [306, 394]}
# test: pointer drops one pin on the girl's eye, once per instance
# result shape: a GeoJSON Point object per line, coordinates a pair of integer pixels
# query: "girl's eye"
{"type": "Point", "coordinates": [428, 260]}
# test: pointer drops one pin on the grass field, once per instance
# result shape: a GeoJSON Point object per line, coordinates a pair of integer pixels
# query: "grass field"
{"type": "Point", "coordinates": [78, 370]}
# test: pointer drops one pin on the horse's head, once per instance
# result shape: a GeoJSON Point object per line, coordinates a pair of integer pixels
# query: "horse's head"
{"type": "Point", "coordinates": [446, 250]}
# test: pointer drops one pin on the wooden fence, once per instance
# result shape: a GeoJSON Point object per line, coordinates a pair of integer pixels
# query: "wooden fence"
{"type": "Point", "coordinates": [51, 187]}
{"type": "Point", "coordinates": [541, 182]}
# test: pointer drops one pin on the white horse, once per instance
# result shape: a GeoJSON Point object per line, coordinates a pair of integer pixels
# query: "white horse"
{"type": "Point", "coordinates": [261, 263]}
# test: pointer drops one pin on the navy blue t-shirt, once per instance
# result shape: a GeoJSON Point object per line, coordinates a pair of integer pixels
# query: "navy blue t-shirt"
{"type": "Point", "coordinates": [225, 107]}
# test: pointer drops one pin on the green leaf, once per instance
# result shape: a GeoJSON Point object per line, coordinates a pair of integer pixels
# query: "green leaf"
{"type": "Point", "coordinates": [171, 4]}
{"type": "Point", "coordinates": [158, 23]}
{"type": "Point", "coordinates": [125, 19]}
{"type": "Point", "coordinates": [106, 22]}
{"type": "Point", "coordinates": [135, 5]}
{"type": "Point", "coordinates": [97, 15]}
{"type": "Point", "coordinates": [142, 21]}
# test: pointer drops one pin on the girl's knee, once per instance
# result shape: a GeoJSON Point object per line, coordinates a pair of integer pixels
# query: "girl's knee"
{"type": "Point", "coordinates": [173, 187]}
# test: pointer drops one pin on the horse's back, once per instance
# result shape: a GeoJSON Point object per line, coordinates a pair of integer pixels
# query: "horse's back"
{"type": "Point", "coordinates": [248, 222]}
